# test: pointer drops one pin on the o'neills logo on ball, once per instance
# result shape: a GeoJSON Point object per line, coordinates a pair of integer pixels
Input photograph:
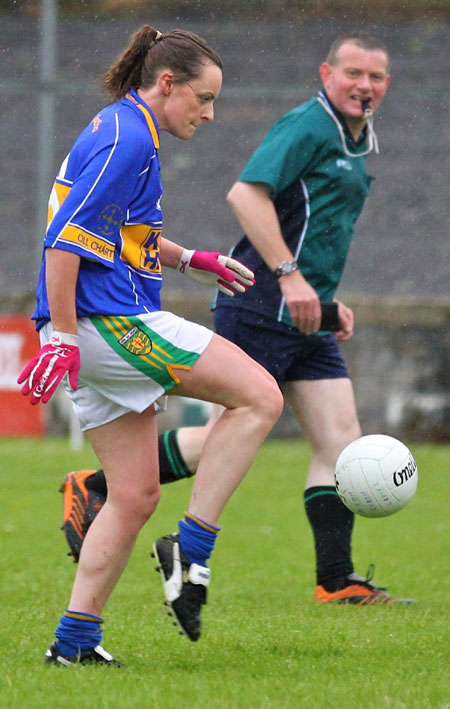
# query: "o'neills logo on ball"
{"type": "Point", "coordinates": [401, 476]}
{"type": "Point", "coordinates": [136, 342]}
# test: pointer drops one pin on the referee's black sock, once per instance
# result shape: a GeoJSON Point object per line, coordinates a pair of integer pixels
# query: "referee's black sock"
{"type": "Point", "coordinates": [171, 464]}
{"type": "Point", "coordinates": [332, 526]}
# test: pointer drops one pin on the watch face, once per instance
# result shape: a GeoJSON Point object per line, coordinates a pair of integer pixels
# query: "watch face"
{"type": "Point", "coordinates": [285, 268]}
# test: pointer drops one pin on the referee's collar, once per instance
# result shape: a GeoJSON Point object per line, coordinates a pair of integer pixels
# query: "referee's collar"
{"type": "Point", "coordinates": [150, 119]}
{"type": "Point", "coordinates": [341, 119]}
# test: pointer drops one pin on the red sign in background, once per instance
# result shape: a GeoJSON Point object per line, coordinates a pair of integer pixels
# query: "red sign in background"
{"type": "Point", "coordinates": [19, 342]}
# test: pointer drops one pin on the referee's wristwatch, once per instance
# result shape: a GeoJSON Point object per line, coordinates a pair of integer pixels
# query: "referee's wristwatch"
{"type": "Point", "coordinates": [285, 268]}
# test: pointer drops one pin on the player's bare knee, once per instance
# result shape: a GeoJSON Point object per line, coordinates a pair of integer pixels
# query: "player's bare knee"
{"type": "Point", "coordinates": [270, 401]}
{"type": "Point", "coordinates": [138, 505]}
{"type": "Point", "coordinates": [147, 502]}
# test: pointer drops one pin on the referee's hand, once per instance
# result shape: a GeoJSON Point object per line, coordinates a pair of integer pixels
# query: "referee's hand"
{"type": "Point", "coordinates": [346, 322]}
{"type": "Point", "coordinates": [302, 301]}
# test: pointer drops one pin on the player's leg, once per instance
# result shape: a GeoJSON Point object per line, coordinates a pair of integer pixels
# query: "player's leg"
{"type": "Point", "coordinates": [127, 450]}
{"type": "Point", "coordinates": [179, 453]}
{"type": "Point", "coordinates": [84, 491]}
{"type": "Point", "coordinates": [326, 412]}
{"type": "Point", "coordinates": [253, 402]}
{"type": "Point", "coordinates": [133, 493]}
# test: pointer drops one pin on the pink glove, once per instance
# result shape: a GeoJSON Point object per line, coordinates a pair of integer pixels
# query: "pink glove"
{"type": "Point", "coordinates": [214, 269]}
{"type": "Point", "coordinates": [42, 375]}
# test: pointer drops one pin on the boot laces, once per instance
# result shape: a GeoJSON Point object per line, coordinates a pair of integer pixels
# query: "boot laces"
{"type": "Point", "coordinates": [367, 580]}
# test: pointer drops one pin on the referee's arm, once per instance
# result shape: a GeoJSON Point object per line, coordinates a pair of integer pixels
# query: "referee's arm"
{"type": "Point", "coordinates": [252, 205]}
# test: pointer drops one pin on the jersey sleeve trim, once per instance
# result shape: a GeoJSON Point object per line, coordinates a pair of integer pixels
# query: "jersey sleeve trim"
{"type": "Point", "coordinates": [91, 244]}
{"type": "Point", "coordinates": [57, 197]}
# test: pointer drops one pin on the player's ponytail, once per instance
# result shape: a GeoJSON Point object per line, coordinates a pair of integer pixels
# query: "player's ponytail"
{"type": "Point", "coordinates": [149, 51]}
{"type": "Point", "coordinates": [125, 74]}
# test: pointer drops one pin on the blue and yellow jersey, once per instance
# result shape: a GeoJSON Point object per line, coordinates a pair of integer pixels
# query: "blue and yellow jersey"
{"type": "Point", "coordinates": [105, 207]}
{"type": "Point", "coordinates": [318, 192]}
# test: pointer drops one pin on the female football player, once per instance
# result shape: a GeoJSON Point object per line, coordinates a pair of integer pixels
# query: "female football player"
{"type": "Point", "coordinates": [100, 323]}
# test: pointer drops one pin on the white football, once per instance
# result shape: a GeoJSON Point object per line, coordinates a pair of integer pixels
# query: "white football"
{"type": "Point", "coordinates": [376, 476]}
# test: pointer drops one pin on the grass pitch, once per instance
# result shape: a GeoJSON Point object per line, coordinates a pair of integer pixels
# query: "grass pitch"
{"type": "Point", "coordinates": [265, 642]}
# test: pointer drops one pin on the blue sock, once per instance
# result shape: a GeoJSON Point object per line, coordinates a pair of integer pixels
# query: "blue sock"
{"type": "Point", "coordinates": [78, 632]}
{"type": "Point", "coordinates": [197, 539]}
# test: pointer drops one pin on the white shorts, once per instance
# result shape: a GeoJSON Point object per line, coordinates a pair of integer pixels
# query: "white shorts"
{"type": "Point", "coordinates": [128, 362]}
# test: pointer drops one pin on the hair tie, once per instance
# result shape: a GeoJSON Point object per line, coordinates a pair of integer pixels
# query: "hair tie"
{"type": "Point", "coordinates": [156, 38]}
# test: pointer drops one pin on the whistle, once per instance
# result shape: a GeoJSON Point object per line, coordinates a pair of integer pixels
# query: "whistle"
{"type": "Point", "coordinates": [365, 105]}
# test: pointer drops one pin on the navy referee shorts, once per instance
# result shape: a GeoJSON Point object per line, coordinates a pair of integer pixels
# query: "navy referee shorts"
{"type": "Point", "coordinates": [286, 353]}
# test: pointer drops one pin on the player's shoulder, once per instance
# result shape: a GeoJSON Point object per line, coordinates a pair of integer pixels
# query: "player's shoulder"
{"type": "Point", "coordinates": [115, 133]}
{"type": "Point", "coordinates": [117, 125]}
{"type": "Point", "coordinates": [127, 123]}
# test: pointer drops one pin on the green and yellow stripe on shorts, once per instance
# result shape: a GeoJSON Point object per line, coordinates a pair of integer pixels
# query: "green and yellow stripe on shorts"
{"type": "Point", "coordinates": [144, 349]}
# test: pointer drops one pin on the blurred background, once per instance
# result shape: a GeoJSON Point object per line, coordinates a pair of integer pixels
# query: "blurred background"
{"type": "Point", "coordinates": [397, 276]}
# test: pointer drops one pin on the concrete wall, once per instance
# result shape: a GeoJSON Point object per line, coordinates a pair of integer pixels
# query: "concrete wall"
{"type": "Point", "coordinates": [399, 359]}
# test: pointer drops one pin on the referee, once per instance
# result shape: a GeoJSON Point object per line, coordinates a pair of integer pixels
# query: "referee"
{"type": "Point", "coordinates": [297, 201]}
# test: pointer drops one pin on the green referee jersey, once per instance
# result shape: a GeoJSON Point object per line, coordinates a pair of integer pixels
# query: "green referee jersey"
{"type": "Point", "coordinates": [318, 192]}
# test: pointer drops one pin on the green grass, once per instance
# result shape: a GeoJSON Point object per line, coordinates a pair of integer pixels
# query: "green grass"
{"type": "Point", "coordinates": [265, 642]}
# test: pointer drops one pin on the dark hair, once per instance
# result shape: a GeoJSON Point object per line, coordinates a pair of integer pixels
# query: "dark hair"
{"type": "Point", "coordinates": [182, 52]}
{"type": "Point", "coordinates": [361, 39]}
